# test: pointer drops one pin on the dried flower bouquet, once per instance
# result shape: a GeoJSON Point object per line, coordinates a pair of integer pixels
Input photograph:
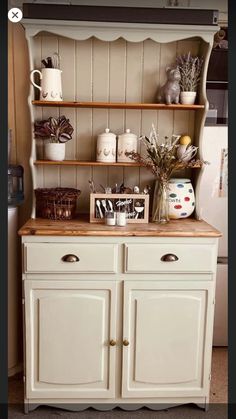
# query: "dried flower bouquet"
{"type": "Point", "coordinates": [161, 159]}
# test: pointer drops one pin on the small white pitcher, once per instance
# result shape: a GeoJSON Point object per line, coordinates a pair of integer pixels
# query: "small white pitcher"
{"type": "Point", "coordinates": [50, 88]}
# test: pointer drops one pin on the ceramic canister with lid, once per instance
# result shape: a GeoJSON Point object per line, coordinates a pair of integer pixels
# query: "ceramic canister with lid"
{"type": "Point", "coordinates": [127, 142]}
{"type": "Point", "coordinates": [106, 147]}
{"type": "Point", "coordinates": [181, 198]}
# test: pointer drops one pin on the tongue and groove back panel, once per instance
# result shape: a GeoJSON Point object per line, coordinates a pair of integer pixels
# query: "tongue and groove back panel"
{"type": "Point", "coordinates": [94, 70]}
{"type": "Point", "coordinates": [109, 71]}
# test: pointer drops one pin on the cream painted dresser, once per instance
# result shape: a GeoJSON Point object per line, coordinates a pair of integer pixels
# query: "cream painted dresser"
{"type": "Point", "coordinates": [118, 316]}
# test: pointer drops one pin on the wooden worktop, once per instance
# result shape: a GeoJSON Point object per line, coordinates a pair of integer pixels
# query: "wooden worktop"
{"type": "Point", "coordinates": [81, 227]}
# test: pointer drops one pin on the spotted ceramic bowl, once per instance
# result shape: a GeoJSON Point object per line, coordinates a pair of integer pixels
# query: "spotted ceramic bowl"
{"type": "Point", "coordinates": [181, 198]}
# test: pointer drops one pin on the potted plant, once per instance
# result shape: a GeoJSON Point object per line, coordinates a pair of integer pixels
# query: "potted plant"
{"type": "Point", "coordinates": [58, 132]}
{"type": "Point", "coordinates": [190, 70]}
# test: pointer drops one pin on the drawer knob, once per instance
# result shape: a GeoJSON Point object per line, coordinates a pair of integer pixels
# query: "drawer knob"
{"type": "Point", "coordinates": [112, 342]}
{"type": "Point", "coordinates": [70, 258]}
{"type": "Point", "coordinates": [125, 342]}
{"type": "Point", "coordinates": [169, 257]}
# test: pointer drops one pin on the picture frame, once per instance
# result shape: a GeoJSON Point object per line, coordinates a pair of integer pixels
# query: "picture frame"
{"type": "Point", "coordinates": [136, 206]}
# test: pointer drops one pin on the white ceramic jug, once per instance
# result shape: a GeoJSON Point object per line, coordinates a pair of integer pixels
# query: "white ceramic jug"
{"type": "Point", "coordinates": [50, 88]}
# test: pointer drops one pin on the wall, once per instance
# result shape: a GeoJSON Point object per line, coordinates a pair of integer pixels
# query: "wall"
{"type": "Point", "coordinates": [18, 112]}
{"type": "Point", "coordinates": [221, 5]}
{"type": "Point", "coordinates": [19, 123]}
{"type": "Point", "coordinates": [123, 3]}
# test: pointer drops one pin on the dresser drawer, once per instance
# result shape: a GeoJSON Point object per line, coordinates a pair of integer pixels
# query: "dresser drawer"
{"type": "Point", "coordinates": [66, 257]}
{"type": "Point", "coordinates": [151, 258]}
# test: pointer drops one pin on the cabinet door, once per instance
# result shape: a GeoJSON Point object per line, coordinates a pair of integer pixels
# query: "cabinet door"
{"type": "Point", "coordinates": [169, 330]}
{"type": "Point", "coordinates": [68, 329]}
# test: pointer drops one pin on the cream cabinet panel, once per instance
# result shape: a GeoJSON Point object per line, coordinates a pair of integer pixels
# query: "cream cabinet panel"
{"type": "Point", "coordinates": [67, 347]}
{"type": "Point", "coordinates": [45, 257]}
{"type": "Point", "coordinates": [189, 257]}
{"type": "Point", "coordinates": [167, 329]}
{"type": "Point", "coordinates": [56, 313]}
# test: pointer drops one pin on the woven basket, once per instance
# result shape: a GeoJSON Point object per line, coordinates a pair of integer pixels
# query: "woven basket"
{"type": "Point", "coordinates": [56, 203]}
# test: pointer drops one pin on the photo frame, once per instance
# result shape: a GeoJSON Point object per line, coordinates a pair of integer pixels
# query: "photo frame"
{"type": "Point", "coordinates": [136, 206]}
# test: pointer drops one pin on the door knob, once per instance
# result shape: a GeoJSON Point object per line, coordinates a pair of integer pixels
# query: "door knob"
{"type": "Point", "coordinates": [112, 342]}
{"type": "Point", "coordinates": [125, 342]}
{"type": "Point", "coordinates": [169, 257]}
{"type": "Point", "coordinates": [70, 258]}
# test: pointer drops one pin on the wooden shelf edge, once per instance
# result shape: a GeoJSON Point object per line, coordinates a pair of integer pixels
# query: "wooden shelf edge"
{"type": "Point", "coordinates": [84, 163]}
{"type": "Point", "coordinates": [95, 163]}
{"type": "Point", "coordinates": [115, 105]}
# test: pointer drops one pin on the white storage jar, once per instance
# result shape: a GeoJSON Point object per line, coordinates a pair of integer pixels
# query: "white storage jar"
{"type": "Point", "coordinates": [106, 147]}
{"type": "Point", "coordinates": [127, 142]}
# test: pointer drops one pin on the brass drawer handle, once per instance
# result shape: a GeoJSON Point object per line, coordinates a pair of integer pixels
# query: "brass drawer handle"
{"type": "Point", "coordinates": [70, 258]}
{"type": "Point", "coordinates": [112, 342]}
{"type": "Point", "coordinates": [169, 257]}
{"type": "Point", "coordinates": [125, 342]}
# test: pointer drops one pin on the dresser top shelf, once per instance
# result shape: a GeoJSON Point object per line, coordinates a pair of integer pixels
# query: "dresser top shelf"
{"type": "Point", "coordinates": [84, 163]}
{"type": "Point", "coordinates": [96, 163]}
{"type": "Point", "coordinates": [188, 227]}
{"type": "Point", "coordinates": [116, 105]}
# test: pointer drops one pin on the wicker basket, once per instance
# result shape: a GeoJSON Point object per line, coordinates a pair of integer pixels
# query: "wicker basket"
{"type": "Point", "coordinates": [56, 203]}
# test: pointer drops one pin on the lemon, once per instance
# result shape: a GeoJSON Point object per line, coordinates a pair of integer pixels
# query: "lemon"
{"type": "Point", "coordinates": [185, 140]}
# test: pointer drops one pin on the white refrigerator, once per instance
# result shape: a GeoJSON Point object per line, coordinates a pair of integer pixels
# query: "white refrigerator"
{"type": "Point", "coordinates": [214, 210]}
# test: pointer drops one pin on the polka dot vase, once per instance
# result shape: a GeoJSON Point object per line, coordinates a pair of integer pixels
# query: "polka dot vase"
{"type": "Point", "coordinates": [181, 198]}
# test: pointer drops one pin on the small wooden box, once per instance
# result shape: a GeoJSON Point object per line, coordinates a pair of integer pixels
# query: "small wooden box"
{"type": "Point", "coordinates": [136, 206]}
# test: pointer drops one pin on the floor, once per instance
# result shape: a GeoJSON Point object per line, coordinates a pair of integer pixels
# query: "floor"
{"type": "Point", "coordinates": [217, 409]}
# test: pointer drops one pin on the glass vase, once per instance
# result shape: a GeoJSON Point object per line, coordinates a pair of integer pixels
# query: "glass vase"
{"type": "Point", "coordinates": [160, 207]}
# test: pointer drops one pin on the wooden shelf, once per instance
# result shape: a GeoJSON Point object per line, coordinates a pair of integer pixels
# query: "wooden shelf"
{"type": "Point", "coordinates": [93, 163]}
{"type": "Point", "coordinates": [116, 105]}
{"type": "Point", "coordinates": [83, 163]}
